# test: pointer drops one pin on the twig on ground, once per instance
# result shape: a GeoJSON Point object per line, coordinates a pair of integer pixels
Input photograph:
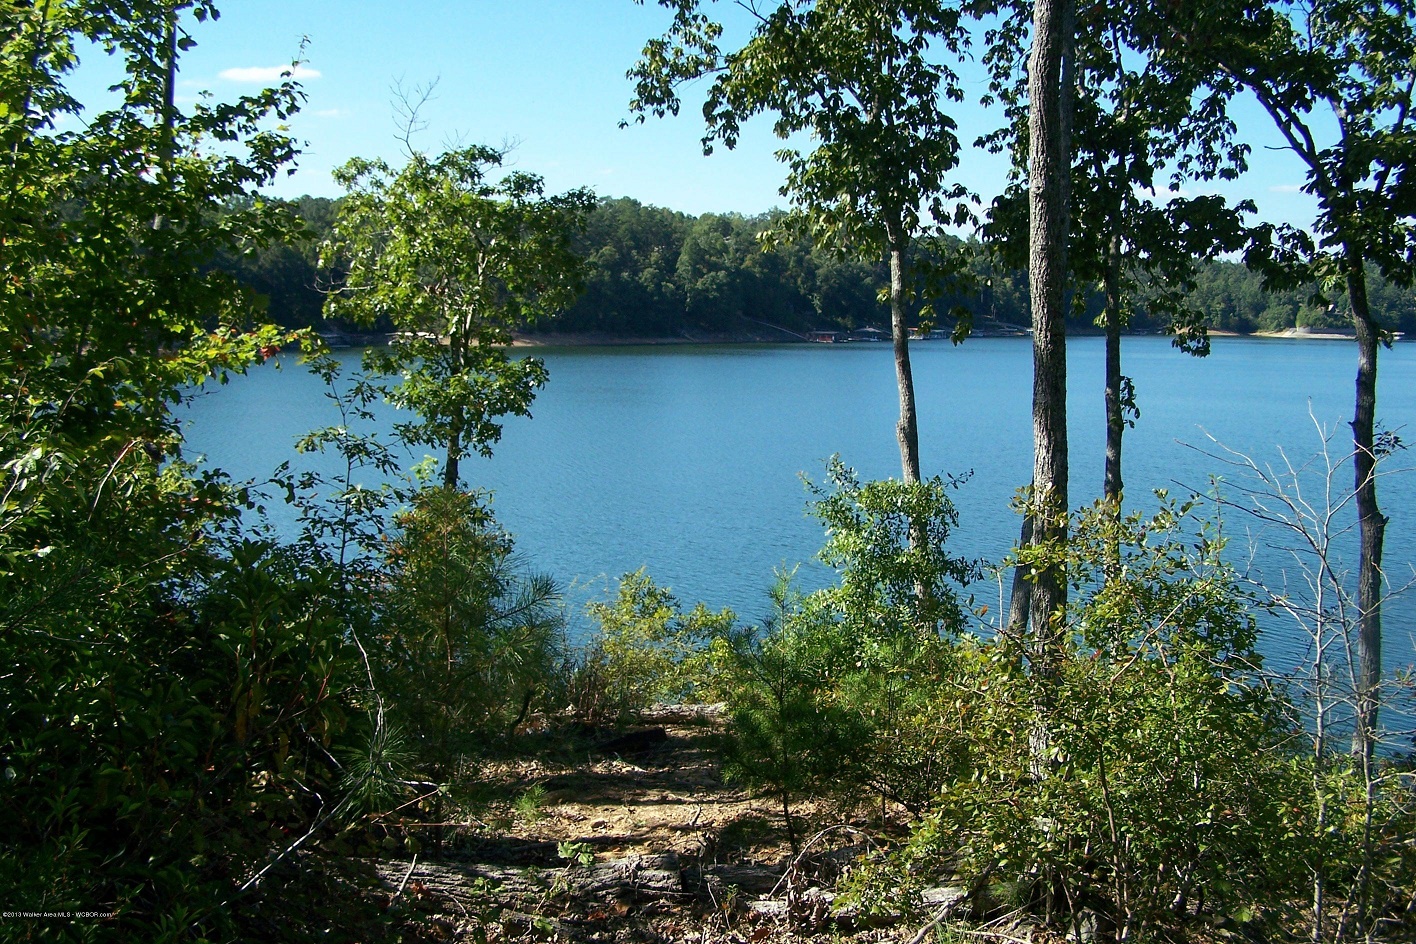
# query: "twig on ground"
{"type": "Point", "coordinates": [934, 923]}
{"type": "Point", "coordinates": [403, 884]}
{"type": "Point", "coordinates": [791, 869]}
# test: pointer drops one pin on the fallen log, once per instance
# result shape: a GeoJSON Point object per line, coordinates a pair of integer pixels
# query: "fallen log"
{"type": "Point", "coordinates": [639, 878]}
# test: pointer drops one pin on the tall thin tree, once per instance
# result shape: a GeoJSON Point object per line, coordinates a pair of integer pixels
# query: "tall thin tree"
{"type": "Point", "coordinates": [1050, 102]}
{"type": "Point", "coordinates": [868, 80]}
{"type": "Point", "coordinates": [1336, 78]}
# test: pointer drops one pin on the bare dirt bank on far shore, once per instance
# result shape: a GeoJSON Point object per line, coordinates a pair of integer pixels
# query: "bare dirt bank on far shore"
{"type": "Point", "coordinates": [603, 339]}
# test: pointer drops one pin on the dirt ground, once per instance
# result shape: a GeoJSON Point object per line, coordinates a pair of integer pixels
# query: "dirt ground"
{"type": "Point", "coordinates": [631, 839]}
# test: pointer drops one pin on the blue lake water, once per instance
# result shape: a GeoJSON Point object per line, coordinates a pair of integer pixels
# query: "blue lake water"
{"type": "Point", "coordinates": [688, 460]}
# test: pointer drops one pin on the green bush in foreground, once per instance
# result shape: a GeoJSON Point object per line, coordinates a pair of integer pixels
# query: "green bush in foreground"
{"type": "Point", "coordinates": [1154, 779]}
{"type": "Point", "coordinates": [467, 643]}
{"type": "Point", "coordinates": [825, 698]}
{"type": "Point", "coordinates": [647, 651]}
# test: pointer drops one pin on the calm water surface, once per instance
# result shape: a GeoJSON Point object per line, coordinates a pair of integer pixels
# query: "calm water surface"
{"type": "Point", "coordinates": [689, 460]}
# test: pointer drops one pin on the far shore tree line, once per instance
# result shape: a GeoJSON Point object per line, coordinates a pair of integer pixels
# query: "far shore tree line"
{"type": "Point", "coordinates": [655, 272]}
{"type": "Point", "coordinates": [207, 713]}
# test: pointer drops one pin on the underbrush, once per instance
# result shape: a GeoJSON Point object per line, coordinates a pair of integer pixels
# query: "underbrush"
{"type": "Point", "coordinates": [1142, 777]}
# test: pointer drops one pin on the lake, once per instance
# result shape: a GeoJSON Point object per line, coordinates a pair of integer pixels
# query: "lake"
{"type": "Point", "coordinates": [688, 460]}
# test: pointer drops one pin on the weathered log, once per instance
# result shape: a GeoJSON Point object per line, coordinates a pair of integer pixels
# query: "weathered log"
{"type": "Point", "coordinates": [750, 879]}
{"type": "Point", "coordinates": [639, 878]}
{"type": "Point", "coordinates": [683, 714]}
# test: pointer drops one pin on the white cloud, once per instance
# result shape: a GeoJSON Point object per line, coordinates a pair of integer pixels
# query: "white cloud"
{"type": "Point", "coordinates": [329, 113]}
{"type": "Point", "coordinates": [1286, 188]}
{"type": "Point", "coordinates": [268, 73]}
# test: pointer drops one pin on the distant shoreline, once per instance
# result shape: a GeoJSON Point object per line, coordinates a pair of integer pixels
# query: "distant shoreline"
{"type": "Point", "coordinates": [598, 339]}
{"type": "Point", "coordinates": [610, 339]}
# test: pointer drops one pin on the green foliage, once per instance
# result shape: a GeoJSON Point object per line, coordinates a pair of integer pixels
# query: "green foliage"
{"type": "Point", "coordinates": [1143, 126]}
{"type": "Point", "coordinates": [173, 685]}
{"type": "Point", "coordinates": [897, 601]}
{"type": "Point", "coordinates": [454, 262]}
{"type": "Point", "coordinates": [109, 222]}
{"type": "Point", "coordinates": [1148, 775]}
{"type": "Point", "coordinates": [467, 642]}
{"type": "Point", "coordinates": [172, 699]}
{"type": "Point", "coordinates": [635, 287]}
{"type": "Point", "coordinates": [528, 804]}
{"type": "Point", "coordinates": [647, 651]}
{"type": "Point", "coordinates": [576, 853]}
{"type": "Point", "coordinates": [1306, 64]}
{"type": "Point", "coordinates": [826, 699]}
{"type": "Point", "coordinates": [789, 736]}
{"type": "Point", "coordinates": [860, 78]}
{"type": "Point", "coordinates": [883, 574]}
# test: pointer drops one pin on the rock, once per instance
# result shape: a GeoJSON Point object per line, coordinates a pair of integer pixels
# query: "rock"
{"type": "Point", "coordinates": [1085, 927]}
{"type": "Point", "coordinates": [952, 900]}
{"type": "Point", "coordinates": [767, 908]}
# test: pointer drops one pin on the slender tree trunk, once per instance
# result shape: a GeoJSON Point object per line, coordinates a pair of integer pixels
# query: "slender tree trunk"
{"type": "Point", "coordinates": [1020, 595]}
{"type": "Point", "coordinates": [167, 145]}
{"type": "Point", "coordinates": [452, 478]}
{"type": "Point", "coordinates": [907, 430]}
{"type": "Point", "coordinates": [1049, 167]}
{"type": "Point", "coordinates": [452, 475]}
{"type": "Point", "coordinates": [169, 94]}
{"type": "Point", "coordinates": [1371, 522]}
{"type": "Point", "coordinates": [1115, 417]}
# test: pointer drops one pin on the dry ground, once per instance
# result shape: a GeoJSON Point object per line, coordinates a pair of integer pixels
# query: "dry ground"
{"type": "Point", "coordinates": [626, 842]}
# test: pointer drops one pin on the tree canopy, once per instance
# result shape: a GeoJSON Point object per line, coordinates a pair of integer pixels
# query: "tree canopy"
{"type": "Point", "coordinates": [454, 262]}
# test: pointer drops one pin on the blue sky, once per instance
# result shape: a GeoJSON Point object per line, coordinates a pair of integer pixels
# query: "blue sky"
{"type": "Point", "coordinates": [549, 75]}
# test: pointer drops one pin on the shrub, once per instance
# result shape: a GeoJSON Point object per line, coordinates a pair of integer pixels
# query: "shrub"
{"type": "Point", "coordinates": [468, 642]}
{"type": "Point", "coordinates": [829, 698]}
{"type": "Point", "coordinates": [1149, 778]}
{"type": "Point", "coordinates": [647, 650]}
{"type": "Point", "coordinates": [790, 736]}
{"type": "Point", "coordinates": [172, 698]}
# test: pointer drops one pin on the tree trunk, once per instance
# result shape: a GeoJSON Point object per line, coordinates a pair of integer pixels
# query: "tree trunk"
{"type": "Point", "coordinates": [1049, 166]}
{"type": "Point", "coordinates": [1019, 596]}
{"type": "Point", "coordinates": [1371, 522]}
{"type": "Point", "coordinates": [452, 477]}
{"type": "Point", "coordinates": [1115, 416]}
{"type": "Point", "coordinates": [907, 431]}
{"type": "Point", "coordinates": [169, 94]}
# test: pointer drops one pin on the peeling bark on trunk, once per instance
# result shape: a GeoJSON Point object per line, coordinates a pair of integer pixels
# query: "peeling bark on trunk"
{"type": "Point", "coordinates": [1371, 521]}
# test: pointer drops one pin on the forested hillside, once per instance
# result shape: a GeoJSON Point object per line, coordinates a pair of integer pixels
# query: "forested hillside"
{"type": "Point", "coordinates": [655, 272]}
{"type": "Point", "coordinates": [253, 710]}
